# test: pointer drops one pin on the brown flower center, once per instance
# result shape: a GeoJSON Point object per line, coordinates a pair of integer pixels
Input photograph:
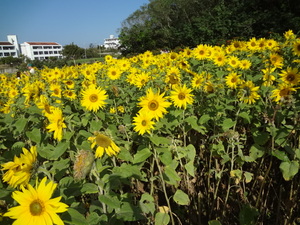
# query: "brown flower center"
{"type": "Point", "coordinates": [93, 98]}
{"type": "Point", "coordinates": [153, 105]}
{"type": "Point", "coordinates": [36, 207]}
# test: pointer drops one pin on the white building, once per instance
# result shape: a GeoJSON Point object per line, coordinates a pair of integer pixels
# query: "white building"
{"type": "Point", "coordinates": [111, 42]}
{"type": "Point", "coordinates": [10, 47]}
{"type": "Point", "coordinates": [41, 50]}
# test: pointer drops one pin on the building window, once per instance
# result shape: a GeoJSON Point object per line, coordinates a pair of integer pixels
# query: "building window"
{"type": "Point", "coordinates": [46, 52]}
{"type": "Point", "coordinates": [50, 52]}
{"type": "Point", "coordinates": [35, 53]}
{"type": "Point", "coordinates": [41, 53]}
{"type": "Point", "coordinates": [6, 53]}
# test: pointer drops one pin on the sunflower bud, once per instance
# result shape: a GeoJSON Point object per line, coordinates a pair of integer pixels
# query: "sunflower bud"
{"type": "Point", "coordinates": [83, 164]}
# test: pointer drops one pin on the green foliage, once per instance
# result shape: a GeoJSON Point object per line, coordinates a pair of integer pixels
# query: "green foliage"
{"type": "Point", "coordinates": [166, 24]}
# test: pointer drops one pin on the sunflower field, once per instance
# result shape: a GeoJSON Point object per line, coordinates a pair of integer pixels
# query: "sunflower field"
{"type": "Point", "coordinates": [208, 135]}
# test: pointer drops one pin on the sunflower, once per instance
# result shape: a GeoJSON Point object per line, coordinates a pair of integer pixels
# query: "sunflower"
{"type": "Point", "coordinates": [201, 52]}
{"type": "Point", "coordinates": [19, 171]}
{"type": "Point", "coordinates": [233, 61]}
{"type": "Point", "coordinates": [197, 81]}
{"type": "Point", "coordinates": [143, 123]}
{"type": "Point", "coordinates": [93, 98]}
{"type": "Point", "coordinates": [36, 206]}
{"type": "Point", "coordinates": [283, 92]}
{"type": "Point", "coordinates": [70, 94]}
{"type": "Point", "coordinates": [290, 76]}
{"type": "Point", "coordinates": [268, 78]}
{"type": "Point", "coordinates": [154, 103]}
{"type": "Point", "coordinates": [173, 76]}
{"type": "Point", "coordinates": [296, 48]}
{"type": "Point", "coordinates": [245, 64]}
{"type": "Point", "coordinates": [219, 58]}
{"type": "Point", "coordinates": [114, 73]}
{"type": "Point", "coordinates": [141, 79]}
{"type": "Point", "coordinates": [276, 60]}
{"type": "Point", "coordinates": [56, 123]}
{"type": "Point", "coordinates": [104, 143]}
{"type": "Point", "coordinates": [232, 80]}
{"type": "Point", "coordinates": [252, 44]}
{"type": "Point", "coordinates": [55, 90]}
{"type": "Point", "coordinates": [248, 92]}
{"type": "Point", "coordinates": [181, 96]}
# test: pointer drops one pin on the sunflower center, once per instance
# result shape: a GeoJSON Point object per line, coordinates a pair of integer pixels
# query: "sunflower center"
{"type": "Point", "coordinates": [284, 92]}
{"type": "Point", "coordinates": [144, 123]}
{"type": "Point", "coordinates": [233, 80]}
{"type": "Point", "coordinates": [113, 73]}
{"type": "Point", "coordinates": [290, 77]}
{"type": "Point", "coordinates": [153, 105]}
{"type": "Point", "coordinates": [93, 98]}
{"type": "Point", "coordinates": [56, 91]}
{"type": "Point", "coordinates": [181, 96]}
{"type": "Point", "coordinates": [103, 141]}
{"type": "Point", "coordinates": [36, 207]}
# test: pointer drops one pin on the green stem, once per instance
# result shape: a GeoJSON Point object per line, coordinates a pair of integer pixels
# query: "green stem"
{"type": "Point", "coordinates": [163, 185]}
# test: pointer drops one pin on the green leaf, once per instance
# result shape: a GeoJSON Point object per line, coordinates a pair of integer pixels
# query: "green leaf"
{"type": "Point", "coordinates": [60, 149]}
{"type": "Point", "coordinates": [181, 198]}
{"type": "Point", "coordinates": [111, 201]}
{"type": "Point", "coordinates": [248, 215]}
{"type": "Point", "coordinates": [20, 124]}
{"type": "Point", "coordinates": [142, 155]}
{"type": "Point", "coordinates": [245, 116]}
{"type": "Point", "coordinates": [171, 176]}
{"type": "Point", "coordinates": [160, 140]}
{"type": "Point", "coordinates": [227, 124]}
{"type": "Point", "coordinates": [89, 188]}
{"type": "Point", "coordinates": [204, 119]}
{"type": "Point", "coordinates": [289, 169]}
{"type": "Point", "coordinates": [129, 212]}
{"type": "Point", "coordinates": [192, 121]}
{"type": "Point", "coordinates": [93, 219]}
{"type": "Point", "coordinates": [190, 168]}
{"type": "Point", "coordinates": [147, 204]}
{"type": "Point", "coordinates": [76, 217]}
{"type": "Point", "coordinates": [162, 218]}
{"type": "Point", "coordinates": [34, 135]}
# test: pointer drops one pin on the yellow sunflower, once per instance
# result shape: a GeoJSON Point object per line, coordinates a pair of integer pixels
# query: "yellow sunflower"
{"type": "Point", "coordinates": [268, 76]}
{"type": "Point", "coordinates": [290, 76]}
{"type": "Point", "coordinates": [276, 60]}
{"type": "Point", "coordinates": [104, 143]}
{"type": "Point", "coordinates": [282, 92]}
{"type": "Point", "coordinates": [19, 171]}
{"type": "Point", "coordinates": [233, 80]}
{"type": "Point", "coordinates": [93, 98]}
{"type": "Point", "coordinates": [296, 48]}
{"type": "Point", "coordinates": [143, 123]}
{"type": "Point", "coordinates": [248, 92]}
{"type": "Point", "coordinates": [114, 73]}
{"type": "Point", "coordinates": [197, 81]}
{"type": "Point", "coordinates": [36, 206]}
{"type": "Point", "coordinates": [57, 124]}
{"type": "Point", "coordinates": [154, 104]}
{"type": "Point", "coordinates": [173, 76]}
{"type": "Point", "coordinates": [181, 96]}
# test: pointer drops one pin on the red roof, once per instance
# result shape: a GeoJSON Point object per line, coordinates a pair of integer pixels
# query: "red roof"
{"type": "Point", "coordinates": [42, 43]}
{"type": "Point", "coordinates": [5, 43]}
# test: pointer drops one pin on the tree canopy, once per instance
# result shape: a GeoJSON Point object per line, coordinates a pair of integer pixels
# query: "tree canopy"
{"type": "Point", "coordinates": [187, 23]}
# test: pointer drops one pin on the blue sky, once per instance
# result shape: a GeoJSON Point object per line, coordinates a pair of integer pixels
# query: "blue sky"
{"type": "Point", "coordinates": [81, 22]}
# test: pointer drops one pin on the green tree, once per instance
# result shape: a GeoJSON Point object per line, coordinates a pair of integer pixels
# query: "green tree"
{"type": "Point", "coordinates": [73, 51]}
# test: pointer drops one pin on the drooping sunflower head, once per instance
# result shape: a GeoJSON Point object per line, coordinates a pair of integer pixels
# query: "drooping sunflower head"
{"type": "Point", "coordinates": [104, 144]}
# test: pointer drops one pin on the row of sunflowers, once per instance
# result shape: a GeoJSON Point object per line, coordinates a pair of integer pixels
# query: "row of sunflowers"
{"type": "Point", "coordinates": [136, 139]}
